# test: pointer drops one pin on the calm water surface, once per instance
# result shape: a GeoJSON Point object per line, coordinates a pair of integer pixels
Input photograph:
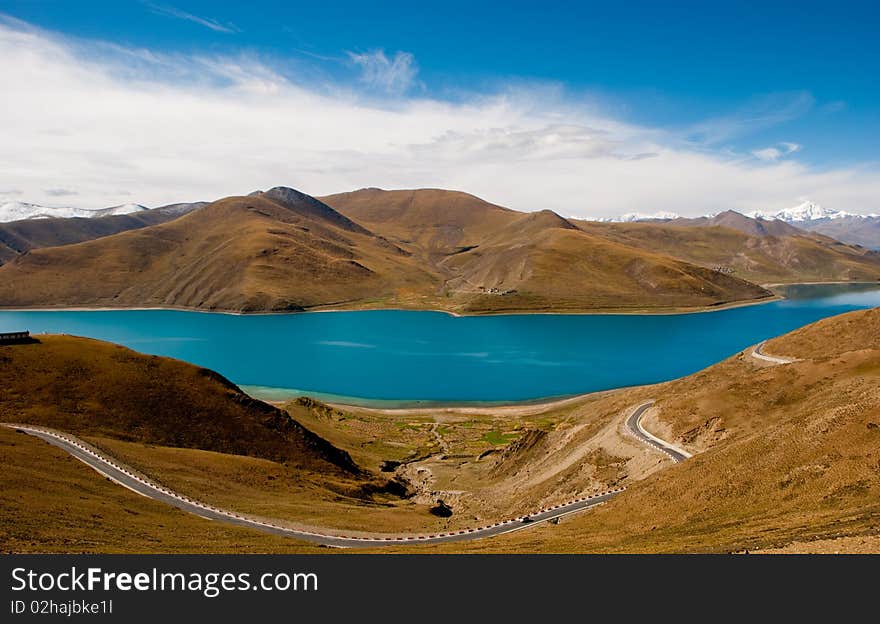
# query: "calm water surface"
{"type": "Point", "coordinates": [407, 357]}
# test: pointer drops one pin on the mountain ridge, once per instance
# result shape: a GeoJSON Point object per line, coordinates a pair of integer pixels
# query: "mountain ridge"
{"type": "Point", "coordinates": [19, 211]}
{"type": "Point", "coordinates": [282, 250]}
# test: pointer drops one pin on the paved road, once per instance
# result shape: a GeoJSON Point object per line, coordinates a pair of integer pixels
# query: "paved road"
{"type": "Point", "coordinates": [757, 352]}
{"type": "Point", "coordinates": [634, 425]}
{"type": "Point", "coordinates": [126, 477]}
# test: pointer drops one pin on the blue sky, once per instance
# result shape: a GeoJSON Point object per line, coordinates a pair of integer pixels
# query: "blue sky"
{"type": "Point", "coordinates": [781, 97]}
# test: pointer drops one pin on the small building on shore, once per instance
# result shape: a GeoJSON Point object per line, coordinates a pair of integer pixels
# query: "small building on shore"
{"type": "Point", "coordinates": [15, 337]}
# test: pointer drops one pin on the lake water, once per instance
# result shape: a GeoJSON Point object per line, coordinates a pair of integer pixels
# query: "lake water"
{"type": "Point", "coordinates": [409, 358]}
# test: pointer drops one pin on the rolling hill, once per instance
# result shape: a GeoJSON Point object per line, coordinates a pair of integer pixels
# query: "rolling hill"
{"type": "Point", "coordinates": [92, 514]}
{"type": "Point", "coordinates": [255, 253]}
{"type": "Point", "coordinates": [542, 261]}
{"type": "Point", "coordinates": [435, 222]}
{"type": "Point", "coordinates": [495, 259]}
{"type": "Point", "coordinates": [282, 250]}
{"type": "Point", "coordinates": [89, 387]}
{"type": "Point", "coordinates": [440, 224]}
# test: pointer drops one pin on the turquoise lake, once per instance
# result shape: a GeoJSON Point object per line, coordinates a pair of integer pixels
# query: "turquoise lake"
{"type": "Point", "coordinates": [407, 358]}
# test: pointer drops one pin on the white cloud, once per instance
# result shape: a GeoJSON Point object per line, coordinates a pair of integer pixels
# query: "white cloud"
{"type": "Point", "coordinates": [777, 152]}
{"type": "Point", "coordinates": [107, 121]}
{"type": "Point", "coordinates": [768, 153]}
{"type": "Point", "coordinates": [758, 114]}
{"type": "Point", "coordinates": [170, 11]}
{"type": "Point", "coordinates": [393, 75]}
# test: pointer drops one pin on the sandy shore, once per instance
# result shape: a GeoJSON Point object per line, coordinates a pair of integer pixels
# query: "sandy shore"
{"type": "Point", "coordinates": [776, 285]}
{"type": "Point", "coordinates": [524, 408]}
{"type": "Point", "coordinates": [331, 308]}
{"type": "Point", "coordinates": [323, 310]}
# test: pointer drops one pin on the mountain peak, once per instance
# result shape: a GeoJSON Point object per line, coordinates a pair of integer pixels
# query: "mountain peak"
{"type": "Point", "coordinates": [631, 217]}
{"type": "Point", "coordinates": [308, 206]}
{"type": "Point", "coordinates": [805, 211]}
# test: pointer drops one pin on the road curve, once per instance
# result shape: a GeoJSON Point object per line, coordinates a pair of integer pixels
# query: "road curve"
{"type": "Point", "coordinates": [128, 478]}
{"type": "Point", "coordinates": [635, 429]}
{"type": "Point", "coordinates": [757, 352]}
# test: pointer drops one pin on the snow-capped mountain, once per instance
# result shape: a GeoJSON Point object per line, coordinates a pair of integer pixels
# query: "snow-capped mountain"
{"type": "Point", "coordinates": [117, 210]}
{"type": "Point", "coordinates": [640, 216]}
{"type": "Point", "coordinates": [805, 211]}
{"type": "Point", "coordinates": [847, 227]}
{"type": "Point", "coordinates": [17, 211]}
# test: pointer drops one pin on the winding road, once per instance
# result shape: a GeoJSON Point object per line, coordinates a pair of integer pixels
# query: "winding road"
{"type": "Point", "coordinates": [138, 483]}
{"type": "Point", "coordinates": [757, 352]}
{"type": "Point", "coordinates": [635, 429]}
{"type": "Point", "coordinates": [127, 477]}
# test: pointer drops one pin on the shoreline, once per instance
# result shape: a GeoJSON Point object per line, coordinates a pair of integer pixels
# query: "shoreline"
{"type": "Point", "coordinates": [588, 312]}
{"type": "Point", "coordinates": [660, 311]}
{"type": "Point", "coordinates": [521, 408]}
{"type": "Point", "coordinates": [827, 283]}
{"type": "Point", "coordinates": [416, 406]}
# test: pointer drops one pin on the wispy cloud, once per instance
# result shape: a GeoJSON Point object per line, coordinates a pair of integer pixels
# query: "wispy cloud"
{"type": "Point", "coordinates": [393, 75]}
{"type": "Point", "coordinates": [170, 11]}
{"type": "Point", "coordinates": [776, 152]}
{"type": "Point", "coordinates": [174, 127]}
{"type": "Point", "coordinates": [759, 114]}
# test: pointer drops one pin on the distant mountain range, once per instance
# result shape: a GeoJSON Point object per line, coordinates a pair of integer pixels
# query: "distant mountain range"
{"type": "Point", "coordinates": [18, 211]}
{"type": "Point", "coordinates": [631, 217]}
{"type": "Point", "coordinates": [805, 211]}
{"type": "Point", "coordinates": [20, 236]}
{"type": "Point", "coordinates": [847, 227]}
{"type": "Point", "coordinates": [282, 249]}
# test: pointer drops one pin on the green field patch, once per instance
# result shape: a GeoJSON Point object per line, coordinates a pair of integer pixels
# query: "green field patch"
{"type": "Point", "coordinates": [496, 437]}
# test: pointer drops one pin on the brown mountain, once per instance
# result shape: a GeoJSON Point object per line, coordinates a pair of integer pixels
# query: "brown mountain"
{"type": "Point", "coordinates": [90, 387]}
{"type": "Point", "coordinates": [270, 251]}
{"type": "Point", "coordinates": [284, 250]}
{"type": "Point", "coordinates": [542, 261]}
{"type": "Point", "coordinates": [756, 250]}
{"type": "Point", "coordinates": [433, 221]}
{"type": "Point", "coordinates": [18, 237]}
{"type": "Point", "coordinates": [744, 224]}
{"type": "Point", "coordinates": [492, 258]}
